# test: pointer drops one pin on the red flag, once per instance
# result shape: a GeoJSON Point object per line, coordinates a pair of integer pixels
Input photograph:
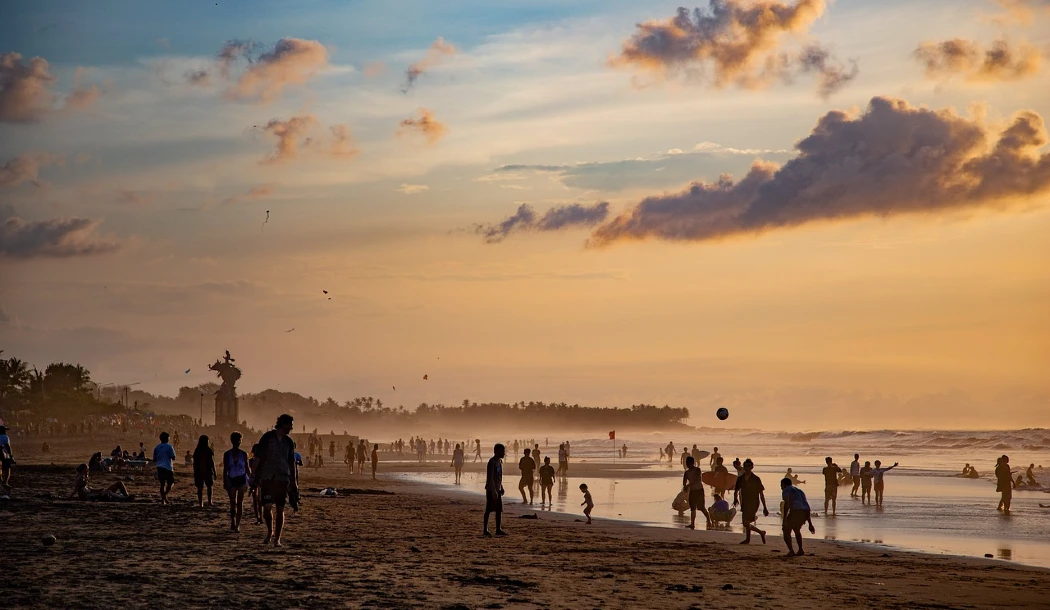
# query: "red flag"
{"type": "Point", "coordinates": [612, 435]}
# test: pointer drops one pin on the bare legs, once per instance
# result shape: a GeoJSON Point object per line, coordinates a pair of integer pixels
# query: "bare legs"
{"type": "Point", "coordinates": [236, 508]}
{"type": "Point", "coordinates": [274, 516]}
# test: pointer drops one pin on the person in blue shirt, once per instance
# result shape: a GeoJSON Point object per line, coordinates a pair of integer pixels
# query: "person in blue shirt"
{"type": "Point", "coordinates": [164, 458]}
{"type": "Point", "coordinates": [796, 514]}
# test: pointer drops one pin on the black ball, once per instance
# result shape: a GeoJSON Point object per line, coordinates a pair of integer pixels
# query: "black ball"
{"type": "Point", "coordinates": [722, 413]}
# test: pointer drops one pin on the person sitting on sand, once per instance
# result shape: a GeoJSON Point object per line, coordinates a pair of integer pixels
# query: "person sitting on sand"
{"type": "Point", "coordinates": [691, 480]}
{"type": "Point", "coordinates": [720, 511]}
{"type": "Point", "coordinates": [749, 491]}
{"type": "Point", "coordinates": [116, 492]}
{"type": "Point", "coordinates": [95, 463]}
{"type": "Point", "coordinates": [235, 473]}
{"type": "Point", "coordinates": [966, 470]}
{"type": "Point", "coordinates": [796, 514]}
{"type": "Point", "coordinates": [457, 462]}
{"type": "Point", "coordinates": [547, 482]}
{"type": "Point", "coordinates": [494, 490]}
{"type": "Point", "coordinates": [587, 503]}
{"type": "Point", "coordinates": [526, 466]}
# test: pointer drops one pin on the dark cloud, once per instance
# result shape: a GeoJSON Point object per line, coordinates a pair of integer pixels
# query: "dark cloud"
{"type": "Point", "coordinates": [26, 168]}
{"type": "Point", "coordinates": [426, 125]}
{"type": "Point", "coordinates": [25, 89]}
{"type": "Point", "coordinates": [970, 60]}
{"type": "Point", "coordinates": [437, 53]}
{"type": "Point", "coordinates": [734, 42]}
{"type": "Point", "coordinates": [53, 238]}
{"type": "Point", "coordinates": [893, 159]}
{"type": "Point", "coordinates": [292, 61]}
{"type": "Point", "coordinates": [524, 220]}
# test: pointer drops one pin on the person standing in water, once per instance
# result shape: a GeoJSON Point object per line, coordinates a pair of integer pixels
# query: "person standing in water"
{"type": "Point", "coordinates": [670, 452]}
{"type": "Point", "coordinates": [748, 493]}
{"type": "Point", "coordinates": [203, 469]}
{"type": "Point", "coordinates": [164, 458]}
{"type": "Point", "coordinates": [854, 473]}
{"type": "Point", "coordinates": [796, 514]}
{"type": "Point", "coordinates": [547, 482]}
{"type": "Point", "coordinates": [877, 475]}
{"type": "Point", "coordinates": [477, 450]}
{"type": "Point", "coordinates": [865, 484]}
{"type": "Point", "coordinates": [831, 486]}
{"type": "Point", "coordinates": [276, 475]}
{"type": "Point", "coordinates": [348, 456]}
{"type": "Point", "coordinates": [691, 481]}
{"type": "Point", "coordinates": [457, 462]}
{"type": "Point", "coordinates": [375, 460]}
{"type": "Point", "coordinates": [1004, 484]}
{"type": "Point", "coordinates": [235, 473]}
{"type": "Point", "coordinates": [526, 466]}
{"type": "Point", "coordinates": [362, 455]}
{"type": "Point", "coordinates": [494, 490]}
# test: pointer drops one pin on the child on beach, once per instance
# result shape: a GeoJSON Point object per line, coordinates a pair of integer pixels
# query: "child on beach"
{"type": "Point", "coordinates": [588, 503]}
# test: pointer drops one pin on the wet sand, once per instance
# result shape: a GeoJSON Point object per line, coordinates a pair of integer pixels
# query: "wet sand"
{"type": "Point", "coordinates": [419, 546]}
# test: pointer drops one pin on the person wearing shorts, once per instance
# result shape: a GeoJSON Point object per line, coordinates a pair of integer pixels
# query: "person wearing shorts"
{"type": "Point", "coordinates": [164, 458]}
{"type": "Point", "coordinates": [831, 485]}
{"type": "Point", "coordinates": [796, 514]}
{"type": "Point", "coordinates": [276, 475]}
{"type": "Point", "coordinates": [7, 459]}
{"type": "Point", "coordinates": [526, 465]}
{"type": "Point", "coordinates": [235, 472]}
{"type": "Point", "coordinates": [494, 490]}
{"type": "Point", "coordinates": [749, 492]}
{"type": "Point", "coordinates": [547, 482]}
{"type": "Point", "coordinates": [203, 469]}
{"type": "Point", "coordinates": [691, 481]}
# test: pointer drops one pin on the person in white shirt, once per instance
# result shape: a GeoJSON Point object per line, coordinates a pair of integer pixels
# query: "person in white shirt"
{"type": "Point", "coordinates": [854, 473]}
{"type": "Point", "coordinates": [877, 475]}
{"type": "Point", "coordinates": [457, 462]}
{"type": "Point", "coordinates": [164, 458]}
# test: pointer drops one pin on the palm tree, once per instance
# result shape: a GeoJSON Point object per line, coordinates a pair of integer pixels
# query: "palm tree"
{"type": "Point", "coordinates": [14, 376]}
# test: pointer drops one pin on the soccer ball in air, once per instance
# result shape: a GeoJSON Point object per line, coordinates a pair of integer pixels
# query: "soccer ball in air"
{"type": "Point", "coordinates": [722, 413]}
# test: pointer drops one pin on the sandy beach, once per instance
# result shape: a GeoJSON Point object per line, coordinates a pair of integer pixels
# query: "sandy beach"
{"type": "Point", "coordinates": [396, 544]}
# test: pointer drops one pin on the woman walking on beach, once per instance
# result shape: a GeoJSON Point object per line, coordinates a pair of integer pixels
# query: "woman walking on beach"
{"type": "Point", "coordinates": [375, 460]}
{"type": "Point", "coordinates": [203, 469]}
{"type": "Point", "coordinates": [1004, 483]}
{"type": "Point", "coordinates": [235, 473]}
{"type": "Point", "coordinates": [457, 462]}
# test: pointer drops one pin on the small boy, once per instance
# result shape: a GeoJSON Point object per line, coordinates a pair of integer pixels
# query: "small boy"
{"type": "Point", "coordinates": [547, 482]}
{"type": "Point", "coordinates": [587, 501]}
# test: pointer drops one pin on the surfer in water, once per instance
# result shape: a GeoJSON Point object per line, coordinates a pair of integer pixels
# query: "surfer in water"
{"type": "Point", "coordinates": [691, 481]}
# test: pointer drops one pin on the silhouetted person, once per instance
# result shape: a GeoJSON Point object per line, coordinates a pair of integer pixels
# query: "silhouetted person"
{"type": "Point", "coordinates": [348, 456]}
{"type": "Point", "coordinates": [235, 473]}
{"type": "Point", "coordinates": [164, 458]}
{"type": "Point", "coordinates": [697, 455]}
{"type": "Point", "coordinates": [375, 460]}
{"type": "Point", "coordinates": [546, 482]}
{"type": "Point", "coordinates": [477, 450]}
{"type": "Point", "coordinates": [623, 451]}
{"type": "Point", "coordinates": [563, 460]}
{"type": "Point", "coordinates": [457, 462]}
{"type": "Point", "coordinates": [715, 456]}
{"type": "Point", "coordinates": [587, 503]}
{"type": "Point", "coordinates": [865, 483]}
{"type": "Point", "coordinates": [362, 455]}
{"type": "Point", "coordinates": [831, 485]}
{"type": "Point", "coordinates": [536, 454]}
{"type": "Point", "coordinates": [494, 489]}
{"type": "Point", "coordinates": [720, 468]}
{"type": "Point", "coordinates": [276, 475]}
{"type": "Point", "coordinates": [116, 492]}
{"type": "Point", "coordinates": [748, 493]}
{"type": "Point", "coordinates": [331, 451]}
{"type": "Point", "coordinates": [796, 514]}
{"type": "Point", "coordinates": [854, 473]}
{"type": "Point", "coordinates": [203, 469]}
{"type": "Point", "coordinates": [877, 476]}
{"type": "Point", "coordinates": [670, 452]}
{"type": "Point", "coordinates": [691, 481]}
{"type": "Point", "coordinates": [1004, 484]}
{"type": "Point", "coordinates": [7, 458]}
{"type": "Point", "coordinates": [526, 466]}
{"type": "Point", "coordinates": [1031, 476]}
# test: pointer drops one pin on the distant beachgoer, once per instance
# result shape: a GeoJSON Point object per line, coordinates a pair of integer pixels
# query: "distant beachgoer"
{"type": "Point", "coordinates": [375, 460]}
{"type": "Point", "coordinates": [661, 453]}
{"type": "Point", "coordinates": [362, 455]}
{"type": "Point", "coordinates": [587, 503]}
{"type": "Point", "coordinates": [536, 454]}
{"type": "Point", "coordinates": [670, 452]}
{"type": "Point", "coordinates": [854, 473]}
{"type": "Point", "coordinates": [526, 466]}
{"type": "Point", "coordinates": [1031, 476]}
{"type": "Point", "coordinates": [235, 473]}
{"type": "Point", "coordinates": [348, 456]}
{"type": "Point", "coordinates": [116, 492]}
{"type": "Point", "coordinates": [697, 455]}
{"type": "Point", "coordinates": [877, 475]}
{"type": "Point", "coordinates": [547, 482]}
{"type": "Point", "coordinates": [331, 450]}
{"type": "Point", "coordinates": [691, 481]}
{"type": "Point", "coordinates": [1019, 482]}
{"type": "Point", "coordinates": [796, 514]}
{"type": "Point", "coordinates": [253, 490]}
{"type": "Point", "coordinates": [7, 458]}
{"type": "Point", "coordinates": [738, 466]}
{"type": "Point", "coordinates": [831, 485]}
{"type": "Point", "coordinates": [1004, 483]}
{"type": "Point", "coordinates": [720, 469]}
{"type": "Point", "coordinates": [164, 458]}
{"type": "Point", "coordinates": [188, 459]}
{"type": "Point", "coordinates": [203, 469]}
{"type": "Point", "coordinates": [793, 477]}
{"type": "Point", "coordinates": [623, 451]}
{"type": "Point", "coordinates": [175, 440]}
{"type": "Point", "coordinates": [865, 483]}
{"type": "Point", "coordinates": [477, 450]}
{"type": "Point", "coordinates": [95, 463]}
{"type": "Point", "coordinates": [276, 475]}
{"type": "Point", "coordinates": [515, 448]}
{"type": "Point", "coordinates": [563, 460]}
{"type": "Point", "coordinates": [748, 493]}
{"type": "Point", "coordinates": [715, 456]}
{"type": "Point", "coordinates": [966, 470]}
{"type": "Point", "coordinates": [457, 462]}
{"type": "Point", "coordinates": [494, 490]}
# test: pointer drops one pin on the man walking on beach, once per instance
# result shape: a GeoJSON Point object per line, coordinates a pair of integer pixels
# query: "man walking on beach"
{"type": "Point", "coordinates": [494, 490]}
{"type": "Point", "coordinates": [854, 473]}
{"type": "Point", "coordinates": [1004, 484]}
{"type": "Point", "coordinates": [276, 476]}
{"type": "Point", "coordinates": [164, 458]}
{"type": "Point", "coordinates": [831, 486]}
{"type": "Point", "coordinates": [477, 449]}
{"type": "Point", "coordinates": [670, 452]}
{"type": "Point", "coordinates": [526, 466]}
{"type": "Point", "coordinates": [7, 458]}
{"type": "Point", "coordinates": [877, 475]}
{"type": "Point", "coordinates": [749, 491]}
{"type": "Point", "coordinates": [691, 481]}
{"type": "Point", "coordinates": [796, 514]}
{"type": "Point", "coordinates": [546, 482]}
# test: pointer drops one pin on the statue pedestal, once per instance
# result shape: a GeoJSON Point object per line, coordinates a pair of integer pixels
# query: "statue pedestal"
{"type": "Point", "coordinates": [226, 413]}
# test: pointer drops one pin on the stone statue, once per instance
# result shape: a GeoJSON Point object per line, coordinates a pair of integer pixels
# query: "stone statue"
{"type": "Point", "coordinates": [226, 414]}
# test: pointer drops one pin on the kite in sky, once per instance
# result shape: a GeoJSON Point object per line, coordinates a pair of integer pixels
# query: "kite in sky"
{"type": "Point", "coordinates": [265, 221]}
{"type": "Point", "coordinates": [424, 377]}
{"type": "Point", "coordinates": [187, 371]}
{"type": "Point", "coordinates": [289, 330]}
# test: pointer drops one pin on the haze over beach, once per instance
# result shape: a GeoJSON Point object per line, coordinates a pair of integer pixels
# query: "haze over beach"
{"type": "Point", "coordinates": [593, 222]}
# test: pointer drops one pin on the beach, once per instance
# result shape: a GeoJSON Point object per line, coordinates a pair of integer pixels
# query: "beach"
{"type": "Point", "coordinates": [396, 543]}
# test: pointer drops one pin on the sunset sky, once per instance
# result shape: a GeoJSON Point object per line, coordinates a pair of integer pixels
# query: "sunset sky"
{"type": "Point", "coordinates": [879, 258]}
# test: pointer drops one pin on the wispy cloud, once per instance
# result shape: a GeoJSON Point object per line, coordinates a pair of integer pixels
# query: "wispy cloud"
{"type": "Point", "coordinates": [525, 220]}
{"type": "Point", "coordinates": [970, 60]}
{"type": "Point", "coordinates": [438, 52]}
{"type": "Point", "coordinates": [53, 238]}
{"type": "Point", "coordinates": [412, 189]}
{"type": "Point", "coordinates": [425, 125]}
{"type": "Point", "coordinates": [26, 168]}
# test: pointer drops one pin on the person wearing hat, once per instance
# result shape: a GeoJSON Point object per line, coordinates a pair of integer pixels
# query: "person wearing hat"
{"type": "Point", "coordinates": [7, 458]}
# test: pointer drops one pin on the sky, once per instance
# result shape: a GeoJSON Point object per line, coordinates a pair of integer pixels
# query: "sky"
{"type": "Point", "coordinates": [821, 215]}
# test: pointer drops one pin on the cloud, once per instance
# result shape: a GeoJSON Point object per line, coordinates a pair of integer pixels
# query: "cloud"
{"type": "Point", "coordinates": [25, 89]}
{"type": "Point", "coordinates": [199, 78]}
{"type": "Point", "coordinates": [893, 159]}
{"type": "Point", "coordinates": [53, 238]}
{"type": "Point", "coordinates": [734, 42]}
{"type": "Point", "coordinates": [256, 192]}
{"type": "Point", "coordinates": [412, 189]}
{"type": "Point", "coordinates": [83, 97]}
{"type": "Point", "coordinates": [342, 142]}
{"type": "Point", "coordinates": [524, 220]}
{"type": "Point", "coordinates": [288, 134]}
{"type": "Point", "coordinates": [129, 197]}
{"type": "Point", "coordinates": [374, 68]}
{"type": "Point", "coordinates": [1024, 10]}
{"type": "Point", "coordinates": [437, 53]}
{"type": "Point", "coordinates": [970, 60]}
{"type": "Point", "coordinates": [291, 62]}
{"type": "Point", "coordinates": [425, 125]}
{"type": "Point", "coordinates": [26, 168]}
